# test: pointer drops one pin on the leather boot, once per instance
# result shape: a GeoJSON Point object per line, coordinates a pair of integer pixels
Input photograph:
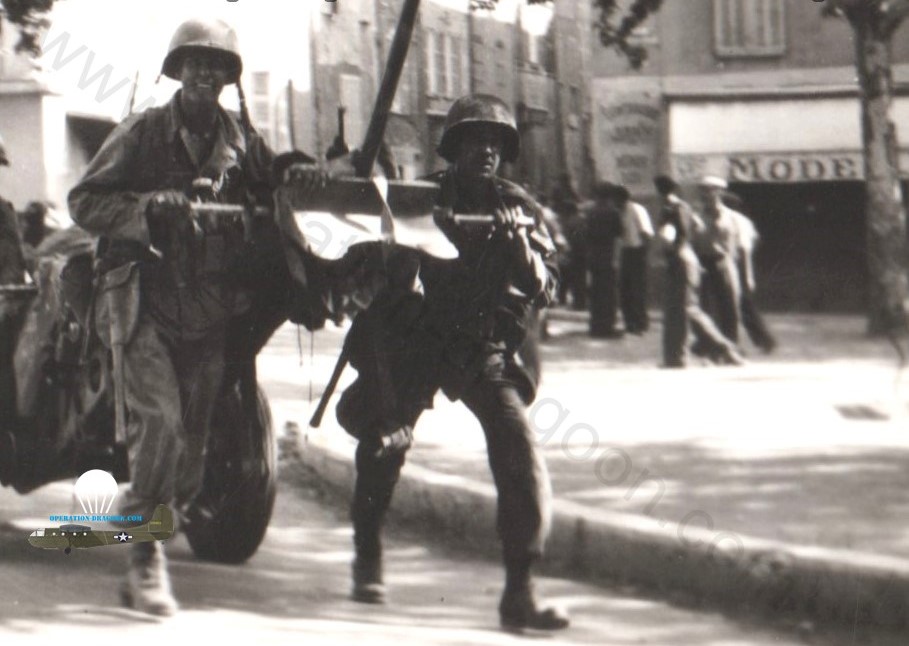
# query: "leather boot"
{"type": "Point", "coordinates": [147, 585]}
{"type": "Point", "coordinates": [519, 608]}
{"type": "Point", "coordinates": [368, 586]}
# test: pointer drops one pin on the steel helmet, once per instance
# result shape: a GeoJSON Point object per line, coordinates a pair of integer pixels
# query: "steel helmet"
{"type": "Point", "coordinates": [204, 34]}
{"type": "Point", "coordinates": [474, 109]}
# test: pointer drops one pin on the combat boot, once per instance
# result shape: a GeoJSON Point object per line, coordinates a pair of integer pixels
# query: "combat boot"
{"type": "Point", "coordinates": [519, 609]}
{"type": "Point", "coordinates": [368, 586]}
{"type": "Point", "coordinates": [147, 586]}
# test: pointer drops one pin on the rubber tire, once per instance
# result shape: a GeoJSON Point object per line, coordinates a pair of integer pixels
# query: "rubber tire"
{"type": "Point", "coordinates": [228, 519]}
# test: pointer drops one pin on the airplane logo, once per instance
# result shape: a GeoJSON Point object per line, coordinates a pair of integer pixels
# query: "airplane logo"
{"type": "Point", "coordinates": [66, 537]}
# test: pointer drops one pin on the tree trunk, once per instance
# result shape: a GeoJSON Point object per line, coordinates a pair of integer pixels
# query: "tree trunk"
{"type": "Point", "coordinates": [888, 295]}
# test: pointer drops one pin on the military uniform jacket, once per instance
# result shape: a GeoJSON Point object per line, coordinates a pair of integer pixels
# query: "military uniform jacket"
{"type": "Point", "coordinates": [485, 302]}
{"type": "Point", "coordinates": [148, 153]}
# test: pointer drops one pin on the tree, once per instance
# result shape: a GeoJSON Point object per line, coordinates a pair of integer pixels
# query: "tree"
{"type": "Point", "coordinates": [874, 22]}
{"type": "Point", "coordinates": [612, 24]}
{"type": "Point", "coordinates": [30, 17]}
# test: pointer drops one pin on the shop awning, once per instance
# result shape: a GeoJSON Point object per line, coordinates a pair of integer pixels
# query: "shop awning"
{"type": "Point", "coordinates": [773, 140]}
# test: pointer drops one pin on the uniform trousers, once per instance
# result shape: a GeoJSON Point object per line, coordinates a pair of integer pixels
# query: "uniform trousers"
{"type": "Point", "coordinates": [171, 388]}
{"type": "Point", "coordinates": [518, 469]}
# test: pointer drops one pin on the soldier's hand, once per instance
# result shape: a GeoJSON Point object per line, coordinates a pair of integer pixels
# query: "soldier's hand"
{"type": "Point", "coordinates": [396, 443]}
{"type": "Point", "coordinates": [507, 221]}
{"type": "Point", "coordinates": [169, 216]}
{"type": "Point", "coordinates": [168, 205]}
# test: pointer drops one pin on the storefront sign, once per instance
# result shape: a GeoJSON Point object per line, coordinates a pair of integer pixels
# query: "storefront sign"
{"type": "Point", "coordinates": [628, 126]}
{"type": "Point", "coordinates": [795, 168]}
{"type": "Point", "coordinates": [777, 168]}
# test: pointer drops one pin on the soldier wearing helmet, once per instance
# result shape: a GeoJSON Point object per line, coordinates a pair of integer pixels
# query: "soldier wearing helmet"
{"type": "Point", "coordinates": [189, 277]}
{"type": "Point", "coordinates": [480, 311]}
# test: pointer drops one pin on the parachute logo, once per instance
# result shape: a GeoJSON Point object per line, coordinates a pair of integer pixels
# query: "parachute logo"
{"type": "Point", "coordinates": [96, 491]}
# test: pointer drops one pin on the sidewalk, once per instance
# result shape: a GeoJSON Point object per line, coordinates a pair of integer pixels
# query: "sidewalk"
{"type": "Point", "coordinates": [782, 484]}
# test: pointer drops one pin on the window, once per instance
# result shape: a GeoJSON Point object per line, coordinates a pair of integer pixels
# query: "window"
{"type": "Point", "coordinates": [442, 47]}
{"type": "Point", "coordinates": [403, 100]}
{"type": "Point", "coordinates": [453, 50]}
{"type": "Point", "coordinates": [261, 104]}
{"type": "Point", "coordinates": [260, 82]}
{"type": "Point", "coordinates": [749, 27]}
{"type": "Point", "coordinates": [445, 73]}
{"type": "Point", "coordinates": [432, 81]}
{"type": "Point", "coordinates": [351, 99]}
{"type": "Point", "coordinates": [533, 48]}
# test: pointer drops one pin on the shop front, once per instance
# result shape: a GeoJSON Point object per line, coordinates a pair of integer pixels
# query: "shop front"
{"type": "Point", "coordinates": [797, 165]}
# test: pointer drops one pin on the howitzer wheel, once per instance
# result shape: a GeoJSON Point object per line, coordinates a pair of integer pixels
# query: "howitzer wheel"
{"type": "Point", "coordinates": [228, 519]}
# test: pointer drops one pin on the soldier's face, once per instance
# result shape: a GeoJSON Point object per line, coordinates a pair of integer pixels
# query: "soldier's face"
{"type": "Point", "coordinates": [203, 75]}
{"type": "Point", "coordinates": [480, 151]}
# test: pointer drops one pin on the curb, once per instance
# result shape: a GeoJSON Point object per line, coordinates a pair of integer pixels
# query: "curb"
{"type": "Point", "coordinates": [827, 586]}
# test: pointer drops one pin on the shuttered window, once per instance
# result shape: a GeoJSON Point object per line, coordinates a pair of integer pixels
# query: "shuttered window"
{"type": "Point", "coordinates": [749, 27]}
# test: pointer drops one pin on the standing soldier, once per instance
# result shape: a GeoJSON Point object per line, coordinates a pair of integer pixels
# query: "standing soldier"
{"type": "Point", "coordinates": [473, 322]}
{"type": "Point", "coordinates": [135, 196]}
{"type": "Point", "coordinates": [682, 309]}
{"type": "Point", "coordinates": [604, 226]}
{"type": "Point", "coordinates": [637, 231]}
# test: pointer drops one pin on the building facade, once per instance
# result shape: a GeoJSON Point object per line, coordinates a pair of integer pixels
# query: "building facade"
{"type": "Point", "coordinates": [764, 94]}
{"type": "Point", "coordinates": [454, 51]}
{"type": "Point", "coordinates": [43, 145]}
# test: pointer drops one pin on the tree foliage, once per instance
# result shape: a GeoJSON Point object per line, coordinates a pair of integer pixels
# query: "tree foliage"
{"type": "Point", "coordinates": [614, 25]}
{"type": "Point", "coordinates": [30, 17]}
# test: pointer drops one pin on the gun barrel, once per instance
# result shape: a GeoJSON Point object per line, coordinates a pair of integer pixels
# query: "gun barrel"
{"type": "Point", "coordinates": [213, 208]}
{"type": "Point", "coordinates": [488, 220]}
{"type": "Point", "coordinates": [375, 132]}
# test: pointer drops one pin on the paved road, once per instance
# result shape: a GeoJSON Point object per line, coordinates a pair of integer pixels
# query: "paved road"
{"type": "Point", "coordinates": [294, 591]}
{"type": "Point", "coordinates": [746, 450]}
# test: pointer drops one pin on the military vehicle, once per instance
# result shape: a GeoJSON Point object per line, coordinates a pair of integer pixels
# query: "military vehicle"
{"type": "Point", "coordinates": [66, 537]}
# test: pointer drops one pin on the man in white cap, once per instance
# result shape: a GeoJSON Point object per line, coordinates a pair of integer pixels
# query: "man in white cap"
{"type": "Point", "coordinates": [718, 249]}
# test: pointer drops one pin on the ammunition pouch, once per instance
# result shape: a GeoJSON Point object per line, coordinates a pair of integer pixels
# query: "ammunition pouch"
{"type": "Point", "coordinates": [117, 304]}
